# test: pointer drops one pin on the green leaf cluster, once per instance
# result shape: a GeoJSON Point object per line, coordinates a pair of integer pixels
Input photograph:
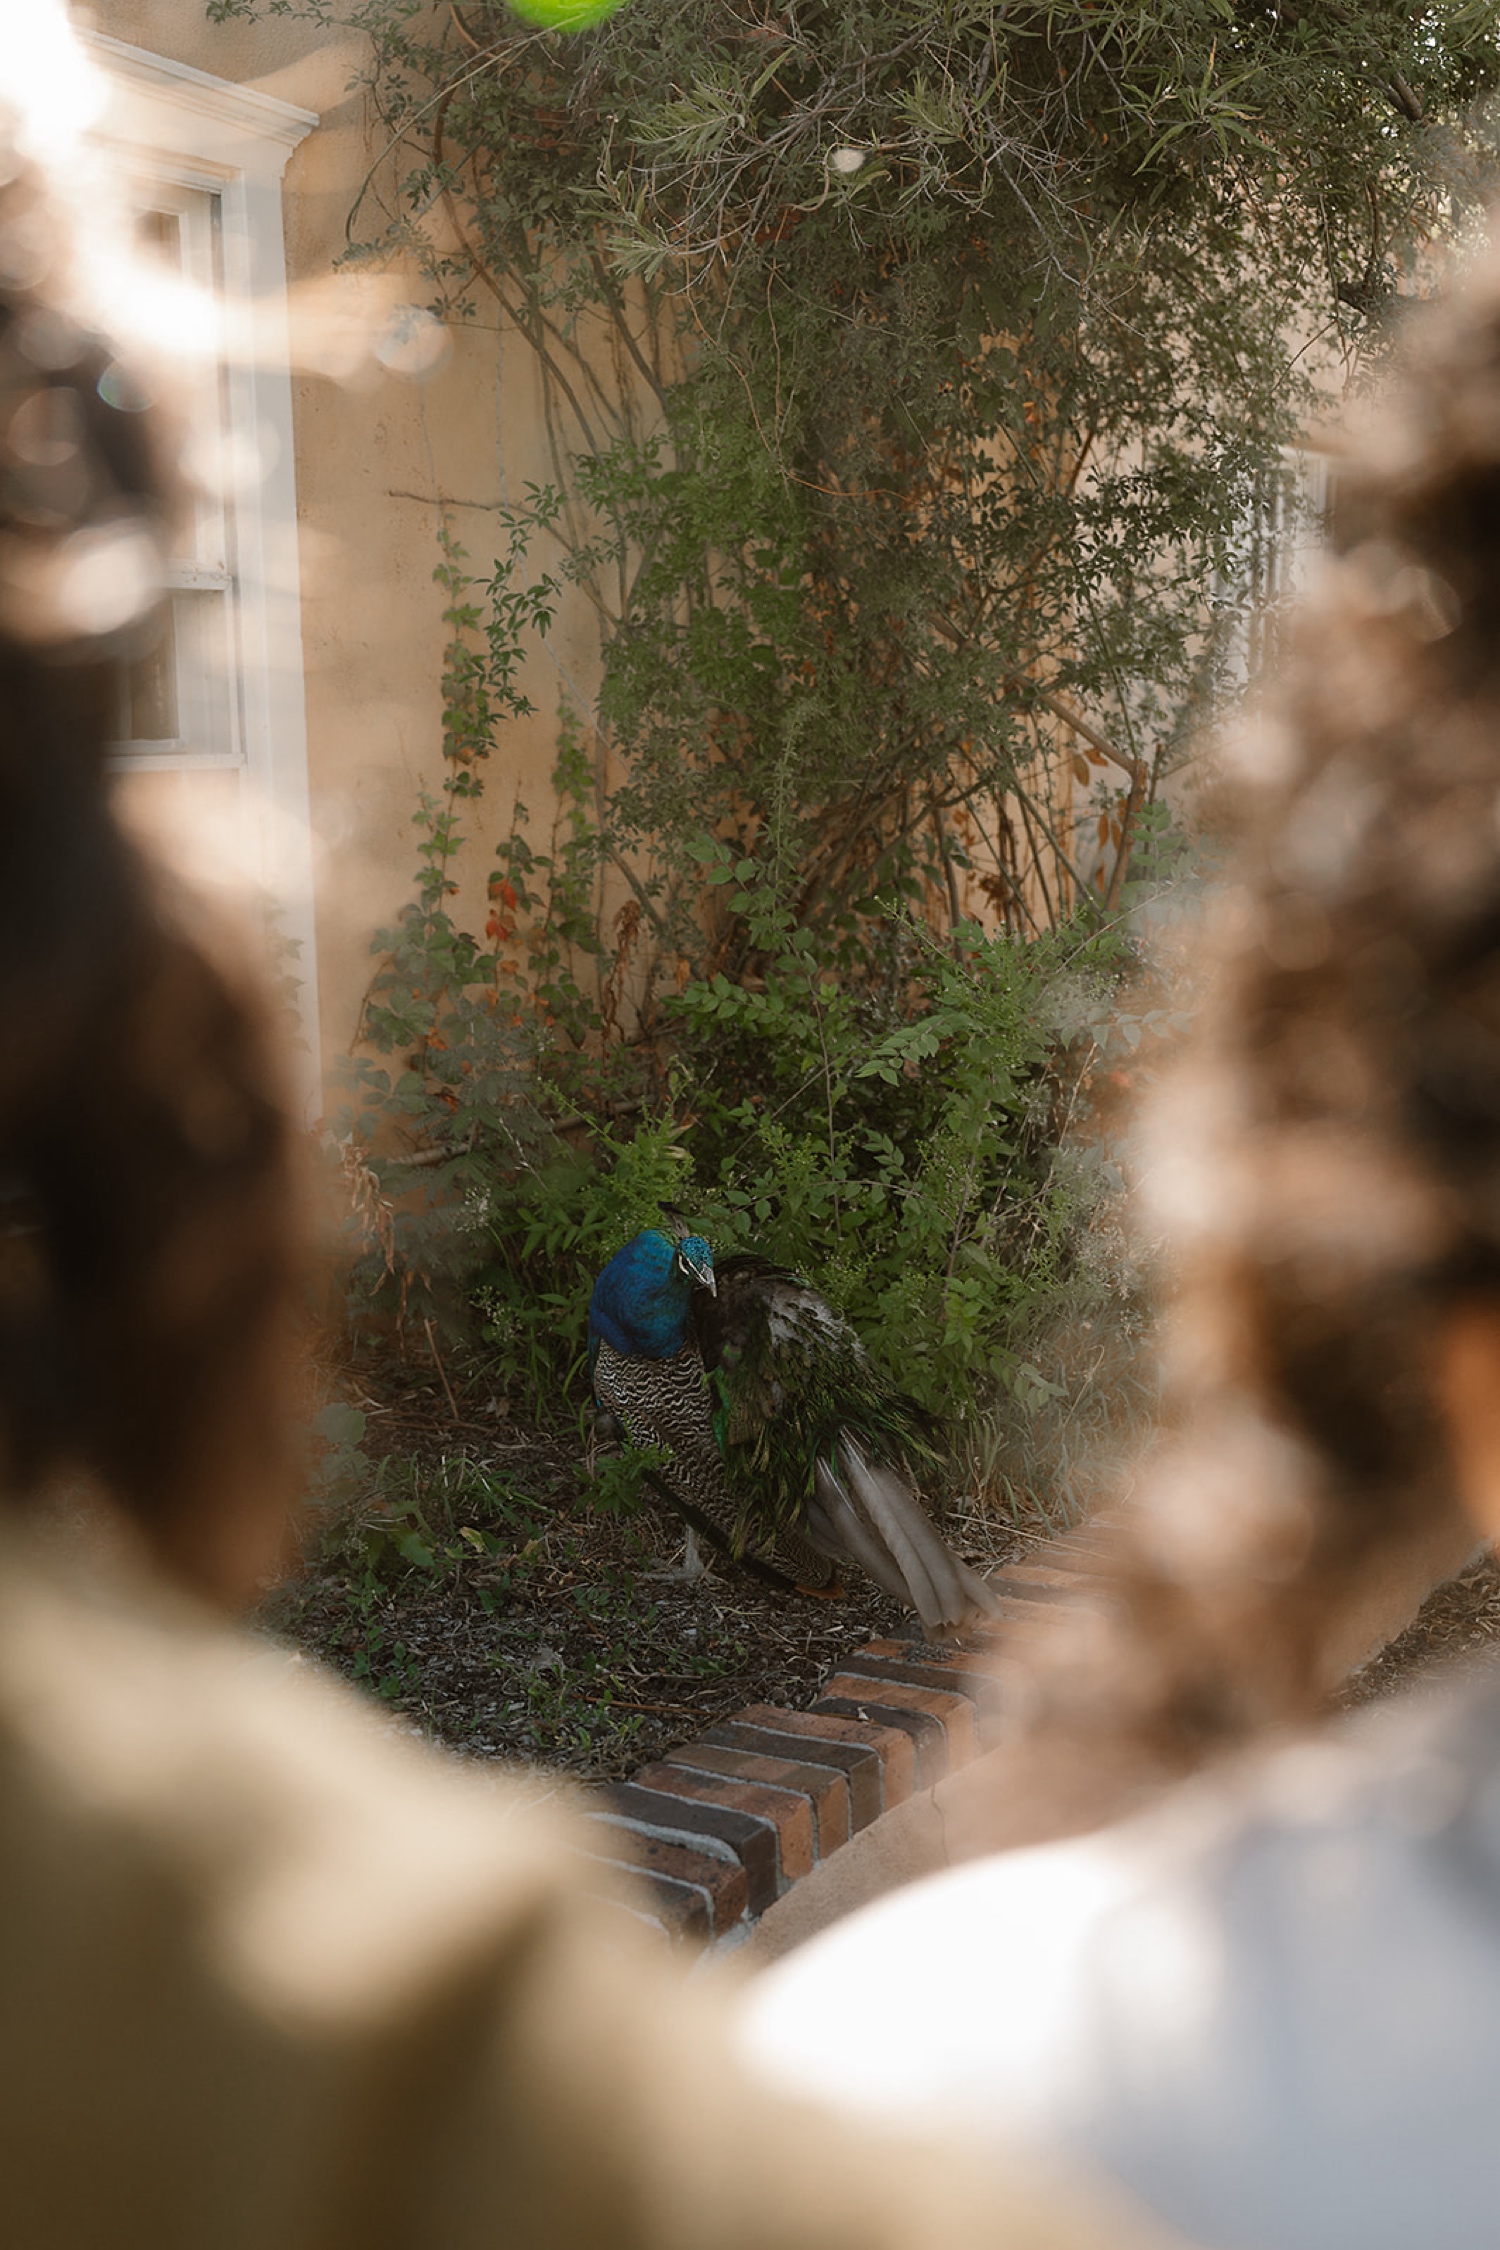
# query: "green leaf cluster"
{"type": "Point", "coordinates": [911, 373]}
{"type": "Point", "coordinates": [914, 374]}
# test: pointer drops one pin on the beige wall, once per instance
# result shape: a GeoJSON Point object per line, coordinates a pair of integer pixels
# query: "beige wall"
{"type": "Point", "coordinates": [373, 456]}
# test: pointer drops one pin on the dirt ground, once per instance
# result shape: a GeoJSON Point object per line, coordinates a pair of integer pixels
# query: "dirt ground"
{"type": "Point", "coordinates": [1457, 1624]}
{"type": "Point", "coordinates": [532, 1627]}
{"type": "Point", "coordinates": [476, 1588]}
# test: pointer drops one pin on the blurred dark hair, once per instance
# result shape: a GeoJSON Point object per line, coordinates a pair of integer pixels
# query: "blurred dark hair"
{"type": "Point", "coordinates": [147, 1235]}
{"type": "Point", "coordinates": [1327, 1160]}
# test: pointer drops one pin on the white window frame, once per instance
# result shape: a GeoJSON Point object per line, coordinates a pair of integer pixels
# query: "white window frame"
{"type": "Point", "coordinates": [203, 578]}
{"type": "Point", "coordinates": [179, 126]}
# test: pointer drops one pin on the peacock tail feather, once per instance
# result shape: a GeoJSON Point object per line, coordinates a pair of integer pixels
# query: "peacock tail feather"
{"type": "Point", "coordinates": [791, 1382]}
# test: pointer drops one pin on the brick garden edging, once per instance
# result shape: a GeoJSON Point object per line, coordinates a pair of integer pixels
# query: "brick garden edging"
{"type": "Point", "coordinates": [723, 1826]}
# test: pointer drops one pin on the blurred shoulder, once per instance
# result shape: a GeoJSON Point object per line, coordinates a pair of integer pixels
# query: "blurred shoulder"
{"type": "Point", "coordinates": [1274, 1998]}
{"type": "Point", "coordinates": [321, 1857]}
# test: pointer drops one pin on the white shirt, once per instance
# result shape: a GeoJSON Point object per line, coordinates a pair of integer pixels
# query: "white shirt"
{"type": "Point", "coordinates": [1271, 2010]}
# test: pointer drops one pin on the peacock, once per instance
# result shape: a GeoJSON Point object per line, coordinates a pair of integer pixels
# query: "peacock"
{"type": "Point", "coordinates": [783, 1441]}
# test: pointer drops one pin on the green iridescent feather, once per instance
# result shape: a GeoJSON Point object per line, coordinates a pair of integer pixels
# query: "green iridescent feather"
{"type": "Point", "coordinates": [789, 1380]}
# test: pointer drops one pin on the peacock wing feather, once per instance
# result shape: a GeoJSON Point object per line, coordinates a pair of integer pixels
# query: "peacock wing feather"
{"type": "Point", "coordinates": [813, 1436]}
{"type": "Point", "coordinates": [791, 1382]}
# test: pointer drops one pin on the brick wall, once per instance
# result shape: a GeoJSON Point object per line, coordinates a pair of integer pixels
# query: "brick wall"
{"type": "Point", "coordinates": [723, 1826]}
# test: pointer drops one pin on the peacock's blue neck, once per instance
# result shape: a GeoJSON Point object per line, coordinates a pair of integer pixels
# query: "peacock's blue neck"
{"type": "Point", "coordinates": [642, 1300]}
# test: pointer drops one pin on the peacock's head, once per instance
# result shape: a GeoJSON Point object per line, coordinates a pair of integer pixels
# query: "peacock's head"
{"type": "Point", "coordinates": [696, 1260]}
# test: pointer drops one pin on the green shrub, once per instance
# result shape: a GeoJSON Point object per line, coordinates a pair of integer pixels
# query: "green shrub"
{"type": "Point", "coordinates": [898, 1115]}
{"type": "Point", "coordinates": [901, 1147]}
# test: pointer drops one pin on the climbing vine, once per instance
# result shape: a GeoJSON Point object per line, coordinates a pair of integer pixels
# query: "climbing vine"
{"type": "Point", "coordinates": [910, 374]}
{"type": "Point", "coordinates": [913, 376]}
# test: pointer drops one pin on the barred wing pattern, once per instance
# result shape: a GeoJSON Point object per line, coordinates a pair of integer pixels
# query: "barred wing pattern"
{"type": "Point", "coordinates": [665, 1403]}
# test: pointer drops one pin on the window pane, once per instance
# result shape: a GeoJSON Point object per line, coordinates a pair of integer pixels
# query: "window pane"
{"type": "Point", "coordinates": [201, 631]}
{"type": "Point", "coordinates": [148, 691]}
{"type": "Point", "coordinates": [178, 699]}
{"type": "Point", "coordinates": [159, 234]}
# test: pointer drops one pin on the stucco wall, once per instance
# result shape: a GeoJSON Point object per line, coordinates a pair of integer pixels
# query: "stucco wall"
{"type": "Point", "coordinates": [374, 456]}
